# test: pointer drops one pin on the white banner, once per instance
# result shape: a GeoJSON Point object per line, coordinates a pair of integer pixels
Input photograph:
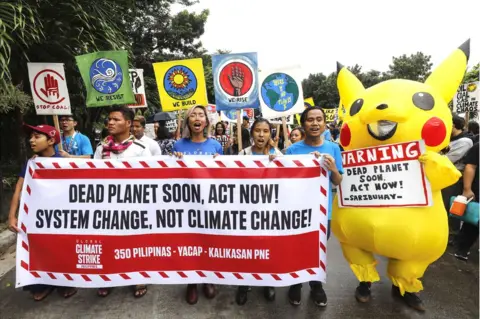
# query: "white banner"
{"type": "Point", "coordinates": [138, 87]}
{"type": "Point", "coordinates": [278, 120]}
{"type": "Point", "coordinates": [233, 220]}
{"type": "Point", "coordinates": [49, 88]}
{"type": "Point", "coordinates": [384, 176]}
{"type": "Point", "coordinates": [281, 92]}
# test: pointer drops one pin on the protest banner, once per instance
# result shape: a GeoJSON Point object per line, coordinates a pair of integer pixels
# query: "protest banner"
{"type": "Point", "coordinates": [234, 220]}
{"type": "Point", "coordinates": [309, 100]}
{"type": "Point", "coordinates": [278, 120]}
{"type": "Point", "coordinates": [106, 78]}
{"type": "Point", "coordinates": [181, 84]}
{"type": "Point", "coordinates": [467, 98]}
{"type": "Point", "coordinates": [235, 79]}
{"type": "Point", "coordinates": [385, 176]}
{"type": "Point", "coordinates": [330, 115]}
{"type": "Point", "coordinates": [49, 88]}
{"type": "Point", "coordinates": [281, 92]}
{"type": "Point", "coordinates": [138, 87]}
{"type": "Point", "coordinates": [231, 116]}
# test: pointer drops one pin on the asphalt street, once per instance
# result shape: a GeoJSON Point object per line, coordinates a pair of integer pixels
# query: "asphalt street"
{"type": "Point", "coordinates": [451, 291]}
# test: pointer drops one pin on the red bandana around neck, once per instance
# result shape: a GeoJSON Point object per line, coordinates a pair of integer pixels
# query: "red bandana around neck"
{"type": "Point", "coordinates": [109, 146]}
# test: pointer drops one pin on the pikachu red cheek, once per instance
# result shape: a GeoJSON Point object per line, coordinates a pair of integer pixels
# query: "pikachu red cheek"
{"type": "Point", "coordinates": [345, 135]}
{"type": "Point", "coordinates": [434, 132]}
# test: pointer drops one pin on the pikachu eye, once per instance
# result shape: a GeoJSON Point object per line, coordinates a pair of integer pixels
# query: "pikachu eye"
{"type": "Point", "coordinates": [356, 106]}
{"type": "Point", "coordinates": [423, 101]}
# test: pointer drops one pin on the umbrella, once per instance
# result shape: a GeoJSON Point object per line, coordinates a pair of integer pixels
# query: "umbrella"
{"type": "Point", "coordinates": [163, 116]}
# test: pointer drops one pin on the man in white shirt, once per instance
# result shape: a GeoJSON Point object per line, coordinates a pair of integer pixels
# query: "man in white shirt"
{"type": "Point", "coordinates": [120, 144]}
{"type": "Point", "coordinates": [139, 132]}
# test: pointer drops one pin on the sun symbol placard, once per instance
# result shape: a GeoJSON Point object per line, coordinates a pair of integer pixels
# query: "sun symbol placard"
{"type": "Point", "coordinates": [179, 79]}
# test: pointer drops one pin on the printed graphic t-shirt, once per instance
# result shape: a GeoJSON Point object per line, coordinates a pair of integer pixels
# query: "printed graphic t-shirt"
{"type": "Point", "coordinates": [79, 146]}
{"type": "Point", "coordinates": [187, 147]}
{"type": "Point", "coordinates": [327, 147]}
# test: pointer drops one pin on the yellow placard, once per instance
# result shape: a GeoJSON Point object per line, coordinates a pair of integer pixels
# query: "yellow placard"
{"type": "Point", "coordinates": [330, 115]}
{"type": "Point", "coordinates": [309, 100]}
{"type": "Point", "coordinates": [181, 84]}
{"type": "Point", "coordinates": [298, 118]}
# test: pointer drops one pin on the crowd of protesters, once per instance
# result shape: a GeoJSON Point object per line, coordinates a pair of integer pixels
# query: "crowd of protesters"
{"type": "Point", "coordinates": [125, 138]}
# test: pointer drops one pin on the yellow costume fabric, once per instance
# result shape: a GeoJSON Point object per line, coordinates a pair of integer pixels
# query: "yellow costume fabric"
{"type": "Point", "coordinates": [411, 237]}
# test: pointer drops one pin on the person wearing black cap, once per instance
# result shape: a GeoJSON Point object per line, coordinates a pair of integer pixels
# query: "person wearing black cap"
{"type": "Point", "coordinates": [43, 139]}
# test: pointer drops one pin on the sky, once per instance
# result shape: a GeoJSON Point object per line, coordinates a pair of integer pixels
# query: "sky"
{"type": "Point", "coordinates": [315, 34]}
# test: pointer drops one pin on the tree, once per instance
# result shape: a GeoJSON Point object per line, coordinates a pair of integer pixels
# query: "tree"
{"type": "Point", "coordinates": [145, 28]}
{"type": "Point", "coordinates": [415, 67]}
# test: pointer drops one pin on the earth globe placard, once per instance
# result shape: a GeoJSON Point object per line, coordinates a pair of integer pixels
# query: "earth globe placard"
{"type": "Point", "coordinates": [180, 82]}
{"type": "Point", "coordinates": [279, 92]}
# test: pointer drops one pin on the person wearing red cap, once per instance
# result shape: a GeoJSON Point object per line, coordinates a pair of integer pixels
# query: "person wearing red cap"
{"type": "Point", "coordinates": [43, 139]}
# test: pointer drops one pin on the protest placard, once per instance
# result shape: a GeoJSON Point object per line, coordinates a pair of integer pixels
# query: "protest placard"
{"type": "Point", "coordinates": [385, 176]}
{"type": "Point", "coordinates": [235, 79]}
{"type": "Point", "coordinates": [281, 92]}
{"type": "Point", "coordinates": [231, 116]}
{"type": "Point", "coordinates": [49, 88]}
{"type": "Point", "coordinates": [236, 220]}
{"type": "Point", "coordinates": [278, 120]}
{"type": "Point", "coordinates": [181, 84]}
{"type": "Point", "coordinates": [330, 115]}
{"type": "Point", "coordinates": [106, 78]}
{"type": "Point", "coordinates": [138, 87]}
{"type": "Point", "coordinates": [467, 98]}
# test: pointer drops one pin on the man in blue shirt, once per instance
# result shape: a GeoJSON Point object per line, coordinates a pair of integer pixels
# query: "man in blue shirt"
{"type": "Point", "coordinates": [74, 143]}
{"type": "Point", "coordinates": [313, 122]}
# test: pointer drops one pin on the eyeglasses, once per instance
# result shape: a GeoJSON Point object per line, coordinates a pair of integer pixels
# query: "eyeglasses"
{"type": "Point", "coordinates": [66, 120]}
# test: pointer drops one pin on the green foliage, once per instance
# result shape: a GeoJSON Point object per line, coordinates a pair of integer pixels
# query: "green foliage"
{"type": "Point", "coordinates": [19, 26]}
{"type": "Point", "coordinates": [15, 98]}
{"type": "Point", "coordinates": [324, 89]}
{"type": "Point", "coordinates": [415, 67]}
{"type": "Point", "coordinates": [472, 75]}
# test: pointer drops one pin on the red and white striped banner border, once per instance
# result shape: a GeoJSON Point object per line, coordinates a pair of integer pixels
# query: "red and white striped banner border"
{"type": "Point", "coordinates": [92, 280]}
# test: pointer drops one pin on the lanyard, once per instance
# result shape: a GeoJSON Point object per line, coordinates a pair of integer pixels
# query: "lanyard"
{"type": "Point", "coordinates": [69, 147]}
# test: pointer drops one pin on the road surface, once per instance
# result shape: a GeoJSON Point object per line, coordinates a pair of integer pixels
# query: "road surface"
{"type": "Point", "coordinates": [451, 292]}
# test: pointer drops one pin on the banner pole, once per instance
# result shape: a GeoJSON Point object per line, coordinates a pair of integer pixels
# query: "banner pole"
{"type": "Point", "coordinates": [57, 126]}
{"type": "Point", "coordinates": [239, 130]}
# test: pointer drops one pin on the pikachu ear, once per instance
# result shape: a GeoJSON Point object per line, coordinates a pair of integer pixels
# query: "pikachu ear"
{"type": "Point", "coordinates": [349, 87]}
{"type": "Point", "coordinates": [449, 74]}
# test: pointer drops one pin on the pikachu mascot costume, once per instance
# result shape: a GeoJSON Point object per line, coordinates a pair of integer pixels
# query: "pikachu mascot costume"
{"type": "Point", "coordinates": [397, 111]}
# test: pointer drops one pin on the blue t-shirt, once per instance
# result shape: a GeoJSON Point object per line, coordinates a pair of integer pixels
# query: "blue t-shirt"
{"type": "Point", "coordinates": [24, 168]}
{"type": "Point", "coordinates": [79, 146]}
{"type": "Point", "coordinates": [271, 152]}
{"type": "Point", "coordinates": [327, 135]}
{"type": "Point", "coordinates": [187, 147]}
{"type": "Point", "coordinates": [327, 147]}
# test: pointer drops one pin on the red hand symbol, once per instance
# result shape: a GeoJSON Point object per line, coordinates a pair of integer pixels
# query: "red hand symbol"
{"type": "Point", "coordinates": [51, 86]}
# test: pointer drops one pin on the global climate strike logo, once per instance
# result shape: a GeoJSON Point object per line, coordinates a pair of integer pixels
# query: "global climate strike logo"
{"type": "Point", "coordinates": [106, 76]}
{"type": "Point", "coordinates": [279, 92]}
{"type": "Point", "coordinates": [180, 82]}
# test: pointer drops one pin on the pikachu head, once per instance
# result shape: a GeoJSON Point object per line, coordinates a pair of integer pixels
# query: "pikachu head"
{"type": "Point", "coordinates": [397, 111]}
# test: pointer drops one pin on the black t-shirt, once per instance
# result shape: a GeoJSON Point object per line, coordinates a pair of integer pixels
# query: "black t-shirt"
{"type": "Point", "coordinates": [472, 158]}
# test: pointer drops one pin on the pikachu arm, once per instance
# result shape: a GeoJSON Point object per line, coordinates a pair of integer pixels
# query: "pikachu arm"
{"type": "Point", "coordinates": [440, 171]}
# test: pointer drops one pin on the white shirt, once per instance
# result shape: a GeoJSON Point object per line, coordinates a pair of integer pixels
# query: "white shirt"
{"type": "Point", "coordinates": [137, 149]}
{"type": "Point", "coordinates": [152, 145]}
